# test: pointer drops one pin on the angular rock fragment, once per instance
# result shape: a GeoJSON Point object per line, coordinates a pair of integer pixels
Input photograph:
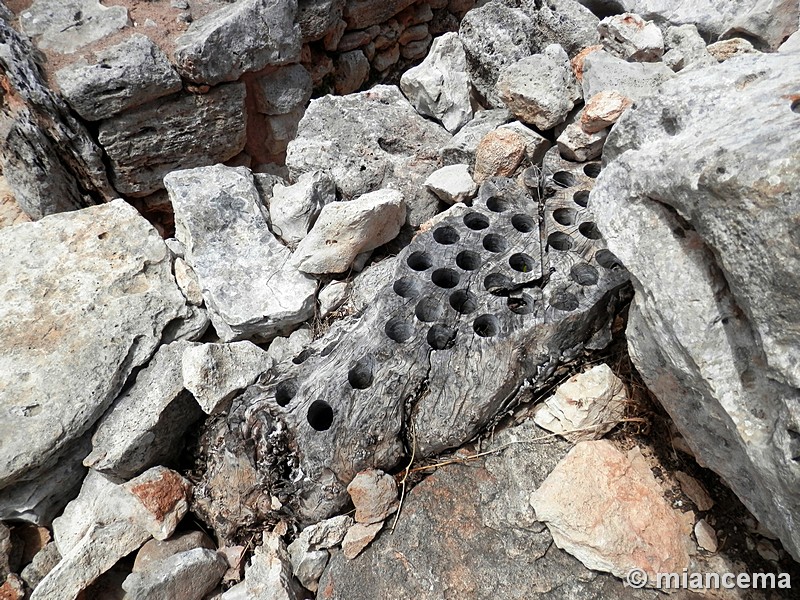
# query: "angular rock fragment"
{"type": "Point", "coordinates": [725, 49]}
{"type": "Point", "coordinates": [358, 537]}
{"type": "Point", "coordinates": [374, 494]}
{"type": "Point", "coordinates": [246, 35]}
{"type": "Point", "coordinates": [249, 288]}
{"type": "Point", "coordinates": [346, 229]}
{"type": "Point", "coordinates": [183, 131]}
{"type": "Point", "coordinates": [331, 297]}
{"type": "Point", "coordinates": [282, 90]}
{"type": "Point", "coordinates": [602, 71]}
{"type": "Point", "coordinates": [695, 491]}
{"type": "Point", "coordinates": [499, 154]}
{"type": "Point", "coordinates": [440, 87]}
{"type": "Point", "coordinates": [685, 48]}
{"type": "Point", "coordinates": [452, 184]}
{"type": "Point", "coordinates": [126, 75]}
{"type": "Point", "coordinates": [462, 147]}
{"type": "Point", "coordinates": [631, 38]}
{"type": "Point", "coordinates": [293, 209]}
{"type": "Point", "coordinates": [285, 348]}
{"type": "Point", "coordinates": [351, 71]}
{"type": "Point", "coordinates": [156, 551]}
{"type": "Point", "coordinates": [269, 574]}
{"type": "Point", "coordinates": [44, 562]}
{"type": "Point", "coordinates": [536, 146]}
{"type": "Point", "coordinates": [576, 144]}
{"type": "Point", "coordinates": [564, 22]}
{"type": "Point", "coordinates": [188, 575]}
{"type": "Point", "coordinates": [705, 535]}
{"type": "Point", "coordinates": [602, 110]}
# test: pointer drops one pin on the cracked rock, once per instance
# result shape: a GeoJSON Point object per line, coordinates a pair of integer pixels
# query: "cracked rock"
{"type": "Point", "coordinates": [630, 37]}
{"type": "Point", "coordinates": [293, 209]}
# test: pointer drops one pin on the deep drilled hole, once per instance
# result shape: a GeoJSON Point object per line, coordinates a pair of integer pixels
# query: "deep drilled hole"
{"type": "Point", "coordinates": [522, 305]}
{"type": "Point", "coordinates": [476, 221]}
{"type": "Point", "coordinates": [429, 309]}
{"type": "Point", "coordinates": [581, 198]}
{"type": "Point", "coordinates": [285, 391]}
{"type": "Point", "coordinates": [564, 216]}
{"type": "Point", "coordinates": [521, 262]}
{"type": "Point", "coordinates": [445, 235]}
{"type": "Point", "coordinates": [486, 326]}
{"type": "Point", "coordinates": [523, 223]}
{"type": "Point", "coordinates": [495, 243]}
{"type": "Point", "coordinates": [563, 300]}
{"type": "Point", "coordinates": [361, 375]}
{"type": "Point", "coordinates": [592, 169]}
{"type": "Point", "coordinates": [590, 230]}
{"type": "Point", "coordinates": [496, 281]}
{"type": "Point", "coordinates": [440, 337]}
{"type": "Point", "coordinates": [303, 356]}
{"type": "Point", "coordinates": [445, 278]}
{"type": "Point", "coordinates": [320, 415]}
{"type": "Point", "coordinates": [559, 241]}
{"type": "Point", "coordinates": [584, 274]}
{"type": "Point", "coordinates": [496, 204]}
{"type": "Point", "coordinates": [564, 178]}
{"type": "Point", "coordinates": [464, 302]}
{"type": "Point", "coordinates": [468, 260]}
{"type": "Point", "coordinates": [607, 259]}
{"type": "Point", "coordinates": [406, 287]}
{"type": "Point", "coordinates": [419, 261]}
{"type": "Point", "coordinates": [398, 330]}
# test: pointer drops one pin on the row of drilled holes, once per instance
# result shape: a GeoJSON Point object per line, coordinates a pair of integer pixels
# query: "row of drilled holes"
{"type": "Point", "coordinates": [319, 414]}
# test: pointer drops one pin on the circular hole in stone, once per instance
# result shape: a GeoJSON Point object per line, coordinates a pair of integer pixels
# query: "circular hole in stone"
{"type": "Point", "coordinates": [584, 274]}
{"type": "Point", "coordinates": [406, 287]}
{"type": "Point", "coordinates": [486, 326]}
{"type": "Point", "coordinates": [464, 302]}
{"type": "Point", "coordinates": [607, 259]}
{"type": "Point", "coordinates": [564, 178]}
{"type": "Point", "coordinates": [564, 300]}
{"type": "Point", "coordinates": [581, 198]}
{"type": "Point", "coordinates": [495, 243]}
{"type": "Point", "coordinates": [521, 262]}
{"type": "Point", "coordinates": [496, 281]}
{"type": "Point", "coordinates": [398, 330]}
{"type": "Point", "coordinates": [419, 261]}
{"type": "Point", "coordinates": [360, 374]}
{"type": "Point", "coordinates": [468, 260]}
{"type": "Point", "coordinates": [303, 356]}
{"type": "Point", "coordinates": [496, 204]}
{"type": "Point", "coordinates": [445, 235]}
{"type": "Point", "coordinates": [429, 309]}
{"type": "Point", "coordinates": [521, 305]}
{"type": "Point", "coordinates": [285, 391]}
{"type": "Point", "coordinates": [523, 223]}
{"type": "Point", "coordinates": [476, 221]}
{"type": "Point", "coordinates": [320, 415]}
{"type": "Point", "coordinates": [592, 169]}
{"type": "Point", "coordinates": [590, 230]}
{"type": "Point", "coordinates": [559, 241]}
{"type": "Point", "coordinates": [445, 278]}
{"type": "Point", "coordinates": [440, 337]}
{"type": "Point", "coordinates": [564, 216]}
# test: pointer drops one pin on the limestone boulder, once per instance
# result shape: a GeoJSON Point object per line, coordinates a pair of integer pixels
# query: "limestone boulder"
{"type": "Point", "coordinates": [563, 22]}
{"type": "Point", "coordinates": [283, 90]}
{"type": "Point", "coordinates": [293, 209]}
{"type": "Point", "coordinates": [631, 38]}
{"type": "Point", "coordinates": [603, 71]}
{"type": "Point", "coordinates": [67, 25]}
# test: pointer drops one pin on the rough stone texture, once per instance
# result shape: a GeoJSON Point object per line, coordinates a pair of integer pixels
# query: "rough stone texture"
{"type": "Point", "coordinates": [148, 142]}
{"type": "Point", "coordinates": [695, 491]}
{"type": "Point", "coordinates": [536, 146]}
{"type": "Point", "coordinates": [585, 407]}
{"type": "Point", "coordinates": [725, 49]}
{"type": "Point", "coordinates": [462, 147]}
{"type": "Point", "coordinates": [602, 71]}
{"type": "Point", "coordinates": [494, 36]}
{"type": "Point", "coordinates": [452, 184]}
{"type": "Point", "coordinates": [602, 110]}
{"type": "Point", "coordinates": [563, 22]}
{"type": "Point", "coordinates": [269, 575]}
{"type": "Point", "coordinates": [213, 373]}
{"type": "Point", "coordinates": [189, 575]}
{"type": "Point", "coordinates": [685, 48]}
{"type": "Point", "coordinates": [631, 38]}
{"type": "Point", "coordinates": [285, 348]}
{"type": "Point", "coordinates": [44, 562]}
{"type": "Point", "coordinates": [331, 297]}
{"type": "Point", "coordinates": [374, 494]}
{"type": "Point", "coordinates": [317, 18]}
{"type": "Point", "coordinates": [468, 531]}
{"type": "Point", "coordinates": [440, 87]}
{"type": "Point", "coordinates": [282, 90]}
{"type": "Point", "coordinates": [156, 551]}
{"type": "Point", "coordinates": [5, 551]}
{"type": "Point", "coordinates": [499, 153]}
{"type": "Point", "coordinates": [540, 89]}
{"type": "Point", "coordinates": [308, 553]}
{"type": "Point", "coordinates": [351, 71]}
{"type": "Point", "coordinates": [358, 537]}
{"type": "Point", "coordinates": [87, 297]}
{"type": "Point", "coordinates": [247, 35]}
{"type": "Point", "coordinates": [123, 76]}
{"type": "Point", "coordinates": [702, 208]}
{"type": "Point", "coordinates": [346, 229]}
{"type": "Point", "coordinates": [575, 144]}
{"type": "Point", "coordinates": [48, 158]}
{"type": "Point", "coordinates": [145, 426]}
{"type": "Point", "coordinates": [66, 25]}
{"type": "Point", "coordinates": [293, 209]}
{"type": "Point", "coordinates": [248, 287]}
{"type": "Point", "coordinates": [705, 535]}
{"type": "Point", "coordinates": [368, 141]}
{"type": "Point", "coordinates": [606, 509]}
{"type": "Point", "coordinates": [792, 43]}
{"type": "Point", "coordinates": [361, 14]}
{"type": "Point", "coordinates": [188, 282]}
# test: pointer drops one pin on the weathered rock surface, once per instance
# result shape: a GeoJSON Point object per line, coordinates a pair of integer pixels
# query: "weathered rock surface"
{"type": "Point", "coordinates": [146, 143]}
{"type": "Point", "coordinates": [213, 373]}
{"type": "Point", "coordinates": [602, 71]}
{"type": "Point", "coordinates": [602, 110]}
{"type": "Point", "coordinates": [156, 551]}
{"type": "Point", "coordinates": [462, 147]}
{"type": "Point", "coordinates": [452, 183]}
{"type": "Point", "coordinates": [145, 426]}
{"type": "Point", "coordinates": [282, 90]}
{"type": "Point", "coordinates": [374, 494]}
{"type": "Point", "coordinates": [249, 288]}
{"type": "Point", "coordinates": [346, 229]}
{"type": "Point", "coordinates": [725, 49]}
{"type": "Point", "coordinates": [359, 537]}
{"type": "Point", "coordinates": [440, 87]}
{"type": "Point", "coordinates": [540, 89]}
{"type": "Point", "coordinates": [44, 562]}
{"type": "Point", "coordinates": [189, 575]}
{"type": "Point", "coordinates": [575, 143]}
{"type": "Point", "coordinates": [685, 48]}
{"type": "Point", "coordinates": [269, 574]}
{"type": "Point", "coordinates": [368, 141]}
{"type": "Point", "coordinates": [494, 36]}
{"type": "Point", "coordinates": [695, 491]}
{"type": "Point", "coordinates": [331, 297]}
{"type": "Point", "coordinates": [246, 35]}
{"type": "Point", "coordinates": [631, 38]}
{"type": "Point", "coordinates": [499, 154]}
{"type": "Point", "coordinates": [293, 209]}
{"type": "Point", "coordinates": [563, 22]}
{"type": "Point", "coordinates": [707, 260]}
{"type": "Point", "coordinates": [123, 76]}
{"type": "Point", "coordinates": [88, 296]}
{"type": "Point", "coordinates": [309, 554]}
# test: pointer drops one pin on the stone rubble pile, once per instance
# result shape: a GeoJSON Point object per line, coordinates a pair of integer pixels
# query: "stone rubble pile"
{"type": "Point", "coordinates": [289, 204]}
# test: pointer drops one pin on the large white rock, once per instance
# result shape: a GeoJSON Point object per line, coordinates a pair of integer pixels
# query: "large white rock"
{"type": "Point", "coordinates": [293, 209]}
{"type": "Point", "coordinates": [440, 87]}
{"type": "Point", "coordinates": [452, 183]}
{"type": "Point", "coordinates": [630, 37]}
{"type": "Point", "coordinates": [189, 575]}
{"type": "Point", "coordinates": [603, 71]}
{"type": "Point", "coordinates": [249, 288]}
{"type": "Point", "coordinates": [87, 298]}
